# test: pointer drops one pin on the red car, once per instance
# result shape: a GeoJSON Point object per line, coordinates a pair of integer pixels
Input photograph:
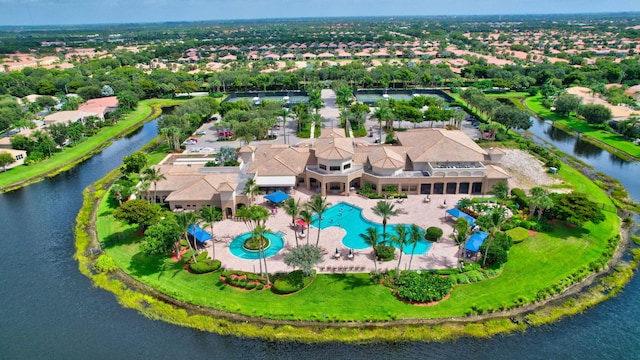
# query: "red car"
{"type": "Point", "coordinates": [225, 135]}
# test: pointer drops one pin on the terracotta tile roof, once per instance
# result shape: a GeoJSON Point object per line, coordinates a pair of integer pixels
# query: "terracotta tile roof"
{"type": "Point", "coordinates": [496, 172]}
{"type": "Point", "coordinates": [440, 145]}
{"type": "Point", "coordinates": [334, 148]}
{"type": "Point", "coordinates": [385, 157]}
{"type": "Point", "coordinates": [205, 187]}
{"type": "Point", "coordinates": [279, 160]}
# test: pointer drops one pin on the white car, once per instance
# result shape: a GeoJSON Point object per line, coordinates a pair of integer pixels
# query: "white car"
{"type": "Point", "coordinates": [189, 142]}
{"type": "Point", "coordinates": [201, 132]}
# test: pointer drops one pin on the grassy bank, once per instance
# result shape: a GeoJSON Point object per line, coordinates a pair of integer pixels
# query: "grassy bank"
{"type": "Point", "coordinates": [598, 136]}
{"type": "Point", "coordinates": [24, 175]}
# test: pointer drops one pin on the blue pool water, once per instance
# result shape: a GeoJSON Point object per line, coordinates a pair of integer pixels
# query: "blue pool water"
{"type": "Point", "coordinates": [236, 248]}
{"type": "Point", "coordinates": [350, 218]}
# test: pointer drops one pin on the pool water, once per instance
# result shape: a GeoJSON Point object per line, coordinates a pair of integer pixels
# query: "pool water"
{"type": "Point", "coordinates": [350, 218]}
{"type": "Point", "coordinates": [236, 248]}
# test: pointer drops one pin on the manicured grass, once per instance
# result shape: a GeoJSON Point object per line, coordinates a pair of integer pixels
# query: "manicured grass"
{"type": "Point", "coordinates": [511, 94]}
{"type": "Point", "coordinates": [611, 139]}
{"type": "Point", "coordinates": [537, 263]}
{"type": "Point", "coordinates": [71, 155]}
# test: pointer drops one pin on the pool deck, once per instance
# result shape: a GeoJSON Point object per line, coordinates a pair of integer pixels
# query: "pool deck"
{"type": "Point", "coordinates": [443, 254]}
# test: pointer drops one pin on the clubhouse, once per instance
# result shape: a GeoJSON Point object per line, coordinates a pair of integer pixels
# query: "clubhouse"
{"type": "Point", "coordinates": [425, 161]}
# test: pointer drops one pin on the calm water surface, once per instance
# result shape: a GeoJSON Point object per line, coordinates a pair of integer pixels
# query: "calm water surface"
{"type": "Point", "coordinates": [48, 310]}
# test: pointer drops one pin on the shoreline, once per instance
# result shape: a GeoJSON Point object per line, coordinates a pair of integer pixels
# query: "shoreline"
{"type": "Point", "coordinates": [156, 110]}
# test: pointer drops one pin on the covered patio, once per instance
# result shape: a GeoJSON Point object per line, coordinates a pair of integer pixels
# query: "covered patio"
{"type": "Point", "coordinates": [474, 242]}
{"type": "Point", "coordinates": [457, 213]}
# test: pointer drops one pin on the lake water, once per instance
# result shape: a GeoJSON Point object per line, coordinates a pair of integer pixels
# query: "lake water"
{"type": "Point", "coordinates": [49, 310]}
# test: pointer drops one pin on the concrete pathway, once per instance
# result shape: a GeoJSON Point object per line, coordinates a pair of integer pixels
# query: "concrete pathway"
{"type": "Point", "coordinates": [329, 112]}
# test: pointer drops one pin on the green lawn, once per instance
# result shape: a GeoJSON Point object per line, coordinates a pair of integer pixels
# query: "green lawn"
{"type": "Point", "coordinates": [611, 139]}
{"type": "Point", "coordinates": [534, 264]}
{"type": "Point", "coordinates": [511, 94]}
{"type": "Point", "coordinates": [71, 155]}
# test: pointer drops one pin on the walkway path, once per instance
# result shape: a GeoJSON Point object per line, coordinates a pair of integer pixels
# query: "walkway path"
{"type": "Point", "coordinates": [329, 112]}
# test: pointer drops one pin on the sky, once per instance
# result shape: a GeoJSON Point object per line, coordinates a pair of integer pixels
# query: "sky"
{"type": "Point", "coordinates": [66, 12]}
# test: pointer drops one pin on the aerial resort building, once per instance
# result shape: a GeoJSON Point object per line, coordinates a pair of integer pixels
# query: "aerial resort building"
{"type": "Point", "coordinates": [425, 161]}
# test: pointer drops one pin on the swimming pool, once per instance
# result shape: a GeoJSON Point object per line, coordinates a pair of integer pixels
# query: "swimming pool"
{"type": "Point", "coordinates": [350, 218]}
{"type": "Point", "coordinates": [236, 248]}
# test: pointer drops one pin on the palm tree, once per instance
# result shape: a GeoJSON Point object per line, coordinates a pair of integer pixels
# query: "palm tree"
{"type": "Point", "coordinates": [464, 204]}
{"type": "Point", "coordinates": [544, 203]}
{"type": "Point", "coordinates": [401, 239]}
{"type": "Point", "coordinates": [385, 210]}
{"type": "Point", "coordinates": [144, 187]}
{"type": "Point", "coordinates": [383, 114]}
{"type": "Point", "coordinates": [492, 223]}
{"type": "Point", "coordinates": [209, 215]}
{"type": "Point", "coordinates": [255, 218]}
{"type": "Point", "coordinates": [251, 189]}
{"type": "Point", "coordinates": [153, 175]}
{"type": "Point", "coordinates": [371, 238]}
{"type": "Point", "coordinates": [501, 191]}
{"type": "Point", "coordinates": [307, 217]}
{"type": "Point", "coordinates": [318, 205]}
{"type": "Point", "coordinates": [185, 220]}
{"type": "Point", "coordinates": [260, 232]}
{"type": "Point", "coordinates": [292, 207]}
{"type": "Point", "coordinates": [461, 231]}
{"type": "Point", "coordinates": [415, 235]}
{"type": "Point", "coordinates": [540, 200]}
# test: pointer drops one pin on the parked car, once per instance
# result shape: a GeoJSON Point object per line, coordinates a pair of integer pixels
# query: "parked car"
{"type": "Point", "coordinates": [201, 132]}
{"type": "Point", "coordinates": [271, 136]}
{"type": "Point", "coordinates": [190, 142]}
{"type": "Point", "coordinates": [225, 135]}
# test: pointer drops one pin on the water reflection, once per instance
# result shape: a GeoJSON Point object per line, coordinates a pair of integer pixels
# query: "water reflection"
{"type": "Point", "coordinates": [586, 149]}
{"type": "Point", "coordinates": [556, 134]}
{"type": "Point", "coordinates": [601, 160]}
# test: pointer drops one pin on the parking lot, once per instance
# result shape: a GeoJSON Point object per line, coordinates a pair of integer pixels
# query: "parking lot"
{"type": "Point", "coordinates": [208, 141]}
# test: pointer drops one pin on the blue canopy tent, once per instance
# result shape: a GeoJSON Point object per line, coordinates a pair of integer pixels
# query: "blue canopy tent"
{"type": "Point", "coordinates": [199, 234]}
{"type": "Point", "coordinates": [475, 241]}
{"type": "Point", "coordinates": [457, 213]}
{"type": "Point", "coordinates": [277, 197]}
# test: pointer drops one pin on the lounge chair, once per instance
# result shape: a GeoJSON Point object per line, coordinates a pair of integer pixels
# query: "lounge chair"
{"type": "Point", "coordinates": [350, 255]}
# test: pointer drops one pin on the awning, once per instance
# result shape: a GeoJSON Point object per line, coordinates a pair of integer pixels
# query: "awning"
{"type": "Point", "coordinates": [277, 197]}
{"type": "Point", "coordinates": [301, 222]}
{"type": "Point", "coordinates": [199, 234]}
{"type": "Point", "coordinates": [475, 241]}
{"type": "Point", "coordinates": [276, 181]}
{"type": "Point", "coordinates": [457, 213]}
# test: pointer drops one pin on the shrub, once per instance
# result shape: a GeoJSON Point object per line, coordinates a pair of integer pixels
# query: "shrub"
{"type": "Point", "coordinates": [232, 278]}
{"type": "Point", "coordinates": [433, 234]}
{"type": "Point", "coordinates": [291, 282]}
{"type": "Point", "coordinates": [520, 198]}
{"type": "Point", "coordinates": [205, 266]}
{"type": "Point", "coordinates": [104, 263]}
{"type": "Point", "coordinates": [385, 252]}
{"type": "Point", "coordinates": [422, 287]}
{"type": "Point", "coordinates": [518, 234]}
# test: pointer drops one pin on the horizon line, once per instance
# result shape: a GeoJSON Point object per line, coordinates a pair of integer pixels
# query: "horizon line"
{"type": "Point", "coordinates": [320, 17]}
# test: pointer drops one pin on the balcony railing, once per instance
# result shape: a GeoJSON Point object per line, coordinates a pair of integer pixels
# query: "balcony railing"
{"type": "Point", "coordinates": [317, 170]}
{"type": "Point", "coordinates": [400, 175]}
